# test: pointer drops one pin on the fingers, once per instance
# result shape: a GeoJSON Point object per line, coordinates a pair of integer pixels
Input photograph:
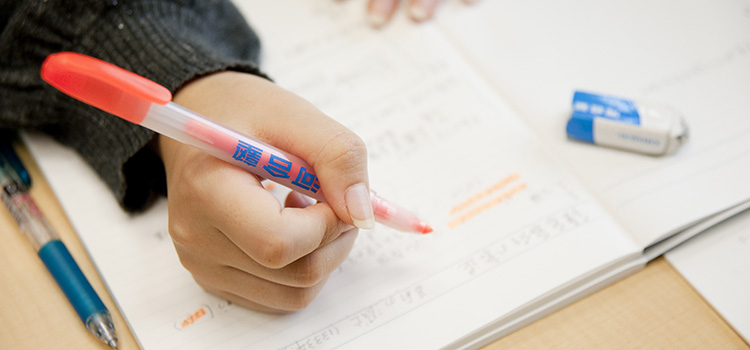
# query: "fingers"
{"type": "Point", "coordinates": [380, 12]}
{"type": "Point", "coordinates": [252, 260]}
{"type": "Point", "coordinates": [305, 272]}
{"type": "Point", "coordinates": [341, 165]}
{"type": "Point", "coordinates": [254, 221]}
{"type": "Point", "coordinates": [287, 289]}
{"type": "Point", "coordinates": [271, 300]}
{"type": "Point", "coordinates": [297, 200]}
{"type": "Point", "coordinates": [421, 10]}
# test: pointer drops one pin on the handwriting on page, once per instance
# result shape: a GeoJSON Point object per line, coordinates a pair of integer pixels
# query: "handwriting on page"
{"type": "Point", "coordinates": [428, 123]}
{"type": "Point", "coordinates": [432, 287]}
{"type": "Point", "coordinates": [335, 30]}
{"type": "Point", "coordinates": [722, 59]}
{"type": "Point", "coordinates": [386, 248]}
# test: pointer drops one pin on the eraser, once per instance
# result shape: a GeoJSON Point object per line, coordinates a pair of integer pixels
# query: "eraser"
{"type": "Point", "coordinates": [626, 124]}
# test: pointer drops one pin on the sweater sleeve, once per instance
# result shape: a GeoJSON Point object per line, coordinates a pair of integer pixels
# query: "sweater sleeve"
{"type": "Point", "coordinates": [170, 42]}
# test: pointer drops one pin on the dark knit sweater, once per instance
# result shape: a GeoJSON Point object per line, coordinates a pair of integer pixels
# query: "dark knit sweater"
{"type": "Point", "coordinates": [170, 42]}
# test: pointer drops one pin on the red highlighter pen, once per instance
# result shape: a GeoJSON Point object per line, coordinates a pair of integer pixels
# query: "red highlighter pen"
{"type": "Point", "coordinates": [146, 103]}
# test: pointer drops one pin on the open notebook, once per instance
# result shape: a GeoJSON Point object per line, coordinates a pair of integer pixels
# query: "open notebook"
{"type": "Point", "coordinates": [464, 121]}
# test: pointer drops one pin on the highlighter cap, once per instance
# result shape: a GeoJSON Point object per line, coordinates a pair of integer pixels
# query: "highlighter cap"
{"type": "Point", "coordinates": [103, 85]}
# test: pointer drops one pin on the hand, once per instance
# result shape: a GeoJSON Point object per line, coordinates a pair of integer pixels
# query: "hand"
{"type": "Point", "coordinates": [233, 236]}
{"type": "Point", "coordinates": [381, 11]}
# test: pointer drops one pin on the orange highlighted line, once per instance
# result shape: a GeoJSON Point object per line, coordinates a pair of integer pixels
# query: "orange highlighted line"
{"type": "Point", "coordinates": [495, 201]}
{"type": "Point", "coordinates": [500, 184]}
{"type": "Point", "coordinates": [190, 320]}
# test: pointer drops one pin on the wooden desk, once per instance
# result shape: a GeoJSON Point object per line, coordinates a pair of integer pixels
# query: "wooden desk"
{"type": "Point", "coordinates": [652, 309]}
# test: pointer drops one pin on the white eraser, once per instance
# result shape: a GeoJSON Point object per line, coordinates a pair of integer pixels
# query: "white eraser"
{"type": "Point", "coordinates": [625, 124]}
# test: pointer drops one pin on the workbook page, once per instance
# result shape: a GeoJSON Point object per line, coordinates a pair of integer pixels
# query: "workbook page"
{"type": "Point", "coordinates": [692, 56]}
{"type": "Point", "coordinates": [512, 226]}
{"type": "Point", "coordinates": [717, 265]}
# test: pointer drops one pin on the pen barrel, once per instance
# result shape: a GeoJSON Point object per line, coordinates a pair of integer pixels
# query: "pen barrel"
{"type": "Point", "coordinates": [263, 160]}
{"type": "Point", "coordinates": [233, 147]}
{"type": "Point", "coordinates": [29, 217]}
{"type": "Point", "coordinates": [71, 280]}
{"type": "Point", "coordinates": [394, 216]}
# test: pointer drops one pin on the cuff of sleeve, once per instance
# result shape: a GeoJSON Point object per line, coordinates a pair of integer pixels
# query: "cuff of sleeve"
{"type": "Point", "coordinates": [145, 179]}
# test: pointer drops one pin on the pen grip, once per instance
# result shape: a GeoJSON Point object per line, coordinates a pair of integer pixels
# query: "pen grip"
{"type": "Point", "coordinates": [71, 280]}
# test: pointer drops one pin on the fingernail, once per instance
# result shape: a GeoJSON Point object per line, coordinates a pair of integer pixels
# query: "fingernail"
{"type": "Point", "coordinates": [377, 20]}
{"type": "Point", "coordinates": [358, 203]}
{"type": "Point", "coordinates": [417, 13]}
{"type": "Point", "coordinates": [309, 201]}
{"type": "Point", "coordinates": [379, 11]}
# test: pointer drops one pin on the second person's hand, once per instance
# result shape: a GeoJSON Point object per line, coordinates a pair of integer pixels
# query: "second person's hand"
{"type": "Point", "coordinates": [381, 11]}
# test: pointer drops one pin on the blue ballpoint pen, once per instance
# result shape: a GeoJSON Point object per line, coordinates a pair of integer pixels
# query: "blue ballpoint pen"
{"type": "Point", "coordinates": [52, 251]}
{"type": "Point", "coordinates": [10, 155]}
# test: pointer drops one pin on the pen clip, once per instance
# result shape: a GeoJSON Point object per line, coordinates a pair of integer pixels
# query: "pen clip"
{"type": "Point", "coordinates": [103, 85]}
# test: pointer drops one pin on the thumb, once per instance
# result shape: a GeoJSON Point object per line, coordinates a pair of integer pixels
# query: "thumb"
{"type": "Point", "coordinates": [341, 166]}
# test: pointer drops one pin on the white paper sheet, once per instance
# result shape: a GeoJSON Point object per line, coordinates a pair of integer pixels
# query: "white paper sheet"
{"type": "Point", "coordinates": [717, 264]}
{"type": "Point", "coordinates": [511, 224]}
{"type": "Point", "coordinates": [693, 56]}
